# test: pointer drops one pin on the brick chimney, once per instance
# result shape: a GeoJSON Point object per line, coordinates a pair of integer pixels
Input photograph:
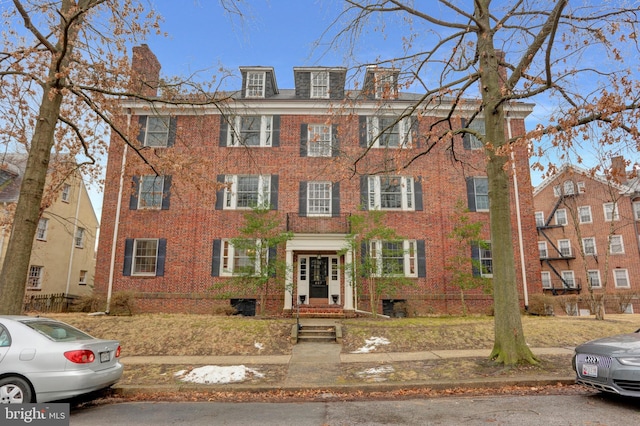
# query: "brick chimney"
{"type": "Point", "coordinates": [146, 71]}
{"type": "Point", "coordinates": [618, 169]}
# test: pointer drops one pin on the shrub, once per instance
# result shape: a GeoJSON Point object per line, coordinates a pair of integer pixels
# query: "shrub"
{"type": "Point", "coordinates": [122, 303]}
{"type": "Point", "coordinates": [541, 304]}
{"type": "Point", "coordinates": [88, 303]}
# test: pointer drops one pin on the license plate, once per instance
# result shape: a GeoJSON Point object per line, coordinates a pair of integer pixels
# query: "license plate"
{"type": "Point", "coordinates": [105, 357]}
{"type": "Point", "coordinates": [590, 370]}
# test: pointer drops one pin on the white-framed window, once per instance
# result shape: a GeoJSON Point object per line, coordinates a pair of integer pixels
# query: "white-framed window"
{"type": "Point", "coordinates": [250, 130]}
{"type": "Point", "coordinates": [255, 84]}
{"type": "Point", "coordinates": [581, 188]}
{"type": "Point", "coordinates": [384, 85]}
{"type": "Point", "coordinates": [247, 191]}
{"type": "Point", "coordinates": [156, 133]}
{"type": "Point", "coordinates": [542, 249]}
{"type": "Point", "coordinates": [394, 258]}
{"type": "Point", "coordinates": [584, 214]}
{"type": "Point", "coordinates": [569, 278]}
{"type": "Point", "coordinates": [561, 217]}
{"type": "Point", "coordinates": [477, 125]}
{"type": "Point", "coordinates": [486, 260]}
{"type": "Point", "coordinates": [616, 245]}
{"type": "Point", "coordinates": [145, 257]}
{"type": "Point", "coordinates": [41, 231]}
{"type": "Point", "coordinates": [565, 248]}
{"type": "Point", "coordinates": [539, 219]}
{"type": "Point", "coordinates": [389, 132]}
{"type": "Point", "coordinates": [319, 198]}
{"type": "Point", "coordinates": [34, 280]}
{"type": "Point", "coordinates": [82, 280]}
{"type": "Point", "coordinates": [79, 238]}
{"type": "Point", "coordinates": [568, 187]}
{"type": "Point", "coordinates": [66, 192]}
{"type": "Point", "coordinates": [557, 191]}
{"type": "Point", "coordinates": [319, 140]}
{"type": "Point", "coordinates": [611, 212]}
{"type": "Point", "coordinates": [241, 260]}
{"type": "Point", "coordinates": [636, 210]}
{"type": "Point", "coordinates": [319, 84]}
{"type": "Point", "coordinates": [594, 278]}
{"type": "Point", "coordinates": [621, 278]}
{"type": "Point", "coordinates": [546, 279]}
{"type": "Point", "coordinates": [391, 193]}
{"type": "Point", "coordinates": [589, 246]}
{"type": "Point", "coordinates": [481, 193]}
{"type": "Point", "coordinates": [150, 192]}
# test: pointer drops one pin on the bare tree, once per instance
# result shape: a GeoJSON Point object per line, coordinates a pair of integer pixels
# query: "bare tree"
{"type": "Point", "coordinates": [511, 51]}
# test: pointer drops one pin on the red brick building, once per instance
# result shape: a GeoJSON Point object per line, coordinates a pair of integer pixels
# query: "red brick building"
{"type": "Point", "coordinates": [588, 231]}
{"type": "Point", "coordinates": [315, 154]}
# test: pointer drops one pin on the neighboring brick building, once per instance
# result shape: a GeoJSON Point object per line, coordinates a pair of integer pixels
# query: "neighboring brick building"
{"type": "Point", "coordinates": [295, 149]}
{"type": "Point", "coordinates": [588, 231]}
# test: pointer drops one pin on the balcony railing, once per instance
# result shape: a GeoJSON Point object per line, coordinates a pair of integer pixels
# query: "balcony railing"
{"type": "Point", "coordinates": [558, 286]}
{"type": "Point", "coordinates": [339, 224]}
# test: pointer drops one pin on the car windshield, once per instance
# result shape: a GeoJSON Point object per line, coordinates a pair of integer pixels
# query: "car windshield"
{"type": "Point", "coordinates": [57, 331]}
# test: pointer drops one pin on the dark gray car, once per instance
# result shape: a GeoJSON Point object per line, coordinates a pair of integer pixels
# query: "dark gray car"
{"type": "Point", "coordinates": [610, 364]}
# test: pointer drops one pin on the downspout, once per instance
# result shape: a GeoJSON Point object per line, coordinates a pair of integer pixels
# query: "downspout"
{"type": "Point", "coordinates": [73, 240]}
{"type": "Point", "coordinates": [519, 221]}
{"type": "Point", "coordinates": [116, 225]}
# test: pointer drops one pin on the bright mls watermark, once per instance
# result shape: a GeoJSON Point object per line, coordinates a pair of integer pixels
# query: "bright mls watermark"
{"type": "Point", "coordinates": [34, 414]}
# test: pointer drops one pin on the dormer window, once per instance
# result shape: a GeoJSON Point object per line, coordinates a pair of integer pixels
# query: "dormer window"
{"type": "Point", "coordinates": [384, 86]}
{"type": "Point", "coordinates": [320, 84]}
{"type": "Point", "coordinates": [255, 84]}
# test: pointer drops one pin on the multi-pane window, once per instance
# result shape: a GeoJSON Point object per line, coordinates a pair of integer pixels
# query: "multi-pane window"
{"type": "Point", "coordinates": [565, 248]}
{"type": "Point", "coordinates": [255, 84]}
{"type": "Point", "coordinates": [66, 192]}
{"type": "Point", "coordinates": [82, 280]}
{"type": "Point", "coordinates": [561, 217]}
{"type": "Point", "coordinates": [584, 214]}
{"type": "Point", "coordinates": [157, 131]}
{"type": "Point", "coordinates": [79, 238]}
{"type": "Point", "coordinates": [589, 246]}
{"type": "Point", "coordinates": [41, 231]}
{"type": "Point", "coordinates": [391, 193]}
{"type": "Point", "coordinates": [247, 191]}
{"type": "Point", "coordinates": [478, 126]}
{"type": "Point", "coordinates": [569, 188]}
{"type": "Point", "coordinates": [581, 188]}
{"type": "Point", "coordinates": [319, 140]}
{"type": "Point", "coordinates": [384, 85]}
{"type": "Point", "coordinates": [539, 219]}
{"type": "Point", "coordinates": [150, 192]}
{"type": "Point", "coordinates": [594, 278]}
{"type": "Point", "coordinates": [542, 249]}
{"type": "Point", "coordinates": [636, 210]}
{"type": "Point", "coordinates": [611, 212]}
{"type": "Point", "coordinates": [486, 260]}
{"type": "Point", "coordinates": [242, 259]}
{"type": "Point", "coordinates": [481, 193]}
{"type": "Point", "coordinates": [34, 280]}
{"type": "Point", "coordinates": [557, 190]}
{"type": "Point", "coordinates": [319, 198]}
{"type": "Point", "coordinates": [250, 130]}
{"type": "Point", "coordinates": [388, 132]}
{"type": "Point", "coordinates": [319, 84]}
{"type": "Point", "coordinates": [621, 278]}
{"type": "Point", "coordinates": [546, 279]}
{"type": "Point", "coordinates": [616, 245]}
{"type": "Point", "coordinates": [569, 278]}
{"type": "Point", "coordinates": [145, 257]}
{"type": "Point", "coordinates": [394, 258]}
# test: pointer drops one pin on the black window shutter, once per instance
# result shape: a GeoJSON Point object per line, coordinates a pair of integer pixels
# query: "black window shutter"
{"type": "Point", "coordinates": [475, 256]}
{"type": "Point", "coordinates": [271, 258]}
{"type": "Point", "coordinates": [133, 199]}
{"type": "Point", "coordinates": [162, 254]}
{"type": "Point", "coordinates": [128, 257]}
{"type": "Point", "coordinates": [362, 133]}
{"type": "Point", "coordinates": [335, 143]}
{"type": "Point", "coordinates": [215, 258]}
{"type": "Point", "coordinates": [166, 193]}
{"type": "Point", "coordinates": [417, 191]}
{"type": "Point", "coordinates": [224, 129]}
{"type": "Point", "coordinates": [275, 131]}
{"type": "Point", "coordinates": [173, 127]}
{"type": "Point", "coordinates": [302, 199]}
{"type": "Point", "coordinates": [335, 199]}
{"type": "Point", "coordinates": [274, 192]}
{"type": "Point", "coordinates": [466, 137]}
{"type": "Point", "coordinates": [142, 122]}
{"type": "Point", "coordinates": [364, 252]}
{"type": "Point", "coordinates": [422, 259]}
{"type": "Point", "coordinates": [364, 192]}
{"type": "Point", "coordinates": [220, 193]}
{"type": "Point", "coordinates": [303, 139]}
{"type": "Point", "coordinates": [471, 194]}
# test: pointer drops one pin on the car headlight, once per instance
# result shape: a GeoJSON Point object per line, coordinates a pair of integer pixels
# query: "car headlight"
{"type": "Point", "coordinates": [630, 360]}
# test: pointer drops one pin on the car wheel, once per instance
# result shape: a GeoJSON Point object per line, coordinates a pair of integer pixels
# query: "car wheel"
{"type": "Point", "coordinates": [14, 390]}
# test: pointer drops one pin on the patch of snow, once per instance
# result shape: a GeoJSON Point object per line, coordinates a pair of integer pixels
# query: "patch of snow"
{"type": "Point", "coordinates": [212, 374]}
{"type": "Point", "coordinates": [376, 373]}
{"type": "Point", "coordinates": [371, 344]}
{"type": "Point", "coordinates": [258, 346]}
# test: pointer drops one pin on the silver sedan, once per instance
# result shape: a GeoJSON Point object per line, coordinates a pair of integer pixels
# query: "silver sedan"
{"type": "Point", "coordinates": [45, 360]}
{"type": "Point", "coordinates": [611, 364]}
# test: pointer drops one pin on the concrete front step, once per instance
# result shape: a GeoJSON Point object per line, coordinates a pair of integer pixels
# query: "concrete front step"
{"type": "Point", "coordinates": [316, 333]}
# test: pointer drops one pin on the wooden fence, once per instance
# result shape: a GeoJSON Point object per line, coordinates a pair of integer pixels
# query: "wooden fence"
{"type": "Point", "coordinates": [58, 302]}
